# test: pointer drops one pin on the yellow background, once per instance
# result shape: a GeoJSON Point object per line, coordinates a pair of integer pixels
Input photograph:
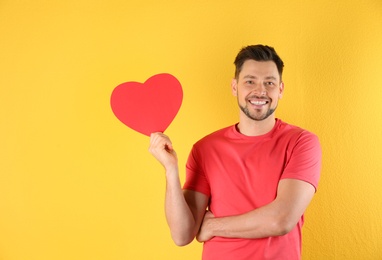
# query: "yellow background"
{"type": "Point", "coordinates": [75, 183]}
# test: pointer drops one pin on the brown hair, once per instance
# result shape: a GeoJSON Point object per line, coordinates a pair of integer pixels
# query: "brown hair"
{"type": "Point", "coordinates": [258, 53]}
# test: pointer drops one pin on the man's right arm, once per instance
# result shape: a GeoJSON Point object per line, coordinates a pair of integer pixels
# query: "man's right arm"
{"type": "Point", "coordinates": [184, 209]}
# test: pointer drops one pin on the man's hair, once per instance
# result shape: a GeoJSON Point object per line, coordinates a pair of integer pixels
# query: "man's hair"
{"type": "Point", "coordinates": [258, 53]}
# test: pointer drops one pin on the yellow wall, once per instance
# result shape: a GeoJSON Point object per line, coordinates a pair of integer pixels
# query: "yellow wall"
{"type": "Point", "coordinates": [75, 183]}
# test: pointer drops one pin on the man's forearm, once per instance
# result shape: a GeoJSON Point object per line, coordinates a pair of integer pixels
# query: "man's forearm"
{"type": "Point", "coordinates": [184, 215]}
{"type": "Point", "coordinates": [178, 214]}
{"type": "Point", "coordinates": [258, 223]}
{"type": "Point", "coordinates": [274, 219]}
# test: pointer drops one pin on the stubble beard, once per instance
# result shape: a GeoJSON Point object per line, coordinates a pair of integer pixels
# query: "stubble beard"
{"type": "Point", "coordinates": [256, 117]}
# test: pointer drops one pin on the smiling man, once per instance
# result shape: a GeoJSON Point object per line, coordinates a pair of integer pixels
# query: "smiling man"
{"type": "Point", "coordinates": [261, 94]}
{"type": "Point", "coordinates": [247, 185]}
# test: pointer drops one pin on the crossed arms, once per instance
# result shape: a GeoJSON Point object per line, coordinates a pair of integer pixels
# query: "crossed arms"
{"type": "Point", "coordinates": [186, 210]}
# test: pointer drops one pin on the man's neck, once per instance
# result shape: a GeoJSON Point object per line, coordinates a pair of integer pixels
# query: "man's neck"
{"type": "Point", "coordinates": [251, 127]}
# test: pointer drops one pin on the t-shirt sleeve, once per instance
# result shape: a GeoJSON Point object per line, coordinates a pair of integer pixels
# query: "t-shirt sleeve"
{"type": "Point", "coordinates": [196, 179]}
{"type": "Point", "coordinates": [305, 160]}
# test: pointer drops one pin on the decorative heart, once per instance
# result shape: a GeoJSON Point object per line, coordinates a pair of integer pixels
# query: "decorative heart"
{"type": "Point", "coordinates": [148, 107]}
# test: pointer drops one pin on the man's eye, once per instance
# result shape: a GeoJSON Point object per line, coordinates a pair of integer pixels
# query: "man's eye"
{"type": "Point", "coordinates": [269, 83]}
{"type": "Point", "coordinates": [249, 82]}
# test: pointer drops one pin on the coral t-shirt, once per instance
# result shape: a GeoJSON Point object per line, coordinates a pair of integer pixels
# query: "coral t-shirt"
{"type": "Point", "coordinates": [241, 173]}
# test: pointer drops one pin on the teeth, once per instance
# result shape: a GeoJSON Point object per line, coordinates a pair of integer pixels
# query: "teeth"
{"type": "Point", "coordinates": [258, 102]}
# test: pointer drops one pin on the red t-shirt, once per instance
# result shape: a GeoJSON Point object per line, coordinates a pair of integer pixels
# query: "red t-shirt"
{"type": "Point", "coordinates": [241, 173]}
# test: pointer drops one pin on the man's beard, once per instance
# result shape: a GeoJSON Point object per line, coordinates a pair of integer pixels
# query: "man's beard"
{"type": "Point", "coordinates": [260, 117]}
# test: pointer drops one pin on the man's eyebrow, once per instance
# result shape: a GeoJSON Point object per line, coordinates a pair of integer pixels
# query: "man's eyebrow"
{"type": "Point", "coordinates": [271, 77]}
{"type": "Point", "coordinates": [249, 77]}
{"type": "Point", "coordinates": [254, 77]}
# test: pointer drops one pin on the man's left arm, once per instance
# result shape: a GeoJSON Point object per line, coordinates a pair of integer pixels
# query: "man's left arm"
{"type": "Point", "coordinates": [274, 219]}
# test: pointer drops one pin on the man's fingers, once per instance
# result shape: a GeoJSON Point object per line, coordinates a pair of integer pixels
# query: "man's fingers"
{"type": "Point", "coordinates": [161, 141]}
{"type": "Point", "coordinates": [161, 148]}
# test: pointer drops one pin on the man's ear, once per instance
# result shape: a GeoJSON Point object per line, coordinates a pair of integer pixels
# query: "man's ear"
{"type": "Point", "coordinates": [234, 87]}
{"type": "Point", "coordinates": [281, 88]}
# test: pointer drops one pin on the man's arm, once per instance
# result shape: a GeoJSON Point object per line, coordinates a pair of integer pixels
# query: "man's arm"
{"type": "Point", "coordinates": [274, 219]}
{"type": "Point", "coordinates": [184, 209]}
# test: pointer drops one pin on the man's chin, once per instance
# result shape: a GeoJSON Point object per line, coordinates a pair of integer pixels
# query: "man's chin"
{"type": "Point", "coordinates": [257, 116]}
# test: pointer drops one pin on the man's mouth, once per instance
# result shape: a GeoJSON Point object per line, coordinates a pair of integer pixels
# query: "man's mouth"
{"type": "Point", "coordinates": [258, 102]}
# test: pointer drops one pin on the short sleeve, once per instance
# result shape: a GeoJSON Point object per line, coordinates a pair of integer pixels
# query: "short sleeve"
{"type": "Point", "coordinates": [304, 161]}
{"type": "Point", "coordinates": [196, 179]}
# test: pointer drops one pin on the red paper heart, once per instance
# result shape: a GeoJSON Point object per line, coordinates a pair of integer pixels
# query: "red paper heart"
{"type": "Point", "coordinates": [148, 107]}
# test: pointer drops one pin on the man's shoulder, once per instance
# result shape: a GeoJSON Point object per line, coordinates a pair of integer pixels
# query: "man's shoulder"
{"type": "Point", "coordinates": [293, 129]}
{"type": "Point", "coordinates": [293, 132]}
{"type": "Point", "coordinates": [220, 134]}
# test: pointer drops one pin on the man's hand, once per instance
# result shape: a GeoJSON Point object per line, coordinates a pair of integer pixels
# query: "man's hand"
{"type": "Point", "coordinates": [161, 148]}
{"type": "Point", "coordinates": [205, 232]}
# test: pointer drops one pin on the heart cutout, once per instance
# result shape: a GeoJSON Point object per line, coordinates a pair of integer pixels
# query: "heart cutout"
{"type": "Point", "coordinates": [150, 106]}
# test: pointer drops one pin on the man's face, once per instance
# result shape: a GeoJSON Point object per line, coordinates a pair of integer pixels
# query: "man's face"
{"type": "Point", "coordinates": [258, 89]}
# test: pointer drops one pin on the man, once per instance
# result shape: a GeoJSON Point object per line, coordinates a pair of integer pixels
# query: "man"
{"type": "Point", "coordinates": [256, 177]}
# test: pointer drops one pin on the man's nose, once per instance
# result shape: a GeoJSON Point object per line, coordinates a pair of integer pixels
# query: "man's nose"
{"type": "Point", "coordinates": [259, 90]}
